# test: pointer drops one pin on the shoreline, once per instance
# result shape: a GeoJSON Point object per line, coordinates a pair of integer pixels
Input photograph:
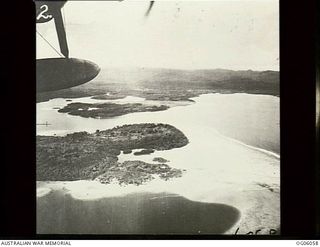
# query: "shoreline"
{"type": "Point", "coordinates": [82, 155]}
{"type": "Point", "coordinates": [195, 101]}
{"type": "Point", "coordinates": [261, 213]}
{"type": "Point", "coordinates": [219, 178]}
{"type": "Point", "coordinates": [268, 152]}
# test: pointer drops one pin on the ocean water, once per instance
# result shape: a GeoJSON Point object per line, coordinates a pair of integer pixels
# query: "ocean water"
{"type": "Point", "coordinates": [139, 213]}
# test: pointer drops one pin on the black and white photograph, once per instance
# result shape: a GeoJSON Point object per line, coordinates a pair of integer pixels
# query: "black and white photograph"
{"type": "Point", "coordinates": [158, 117]}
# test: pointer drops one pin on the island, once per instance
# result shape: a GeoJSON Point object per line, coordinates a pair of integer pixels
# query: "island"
{"type": "Point", "coordinates": [82, 155]}
{"type": "Point", "coordinates": [160, 159]}
{"type": "Point", "coordinates": [137, 172]}
{"type": "Point", "coordinates": [108, 110]}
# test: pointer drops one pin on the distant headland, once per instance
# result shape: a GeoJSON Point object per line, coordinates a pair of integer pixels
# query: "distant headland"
{"type": "Point", "coordinates": [170, 84]}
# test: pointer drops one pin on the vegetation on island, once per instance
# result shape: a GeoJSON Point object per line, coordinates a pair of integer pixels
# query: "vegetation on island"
{"type": "Point", "coordinates": [160, 159]}
{"type": "Point", "coordinates": [137, 172]}
{"type": "Point", "coordinates": [94, 156]}
{"type": "Point", "coordinates": [108, 110]}
{"type": "Point", "coordinates": [144, 151]}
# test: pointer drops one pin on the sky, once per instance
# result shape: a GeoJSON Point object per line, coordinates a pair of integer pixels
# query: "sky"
{"type": "Point", "coordinates": [236, 34]}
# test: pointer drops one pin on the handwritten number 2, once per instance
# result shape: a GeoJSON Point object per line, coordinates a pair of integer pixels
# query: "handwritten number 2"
{"type": "Point", "coordinates": [42, 13]}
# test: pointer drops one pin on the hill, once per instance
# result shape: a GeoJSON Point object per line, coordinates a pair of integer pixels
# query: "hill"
{"type": "Point", "coordinates": [171, 84]}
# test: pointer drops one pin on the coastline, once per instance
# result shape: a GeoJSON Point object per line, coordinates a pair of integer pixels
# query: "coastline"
{"type": "Point", "coordinates": [234, 183]}
{"type": "Point", "coordinates": [217, 185]}
{"type": "Point", "coordinates": [173, 104]}
{"type": "Point", "coordinates": [273, 154]}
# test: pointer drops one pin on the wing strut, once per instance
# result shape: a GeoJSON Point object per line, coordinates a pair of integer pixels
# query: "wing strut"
{"type": "Point", "coordinates": [61, 32]}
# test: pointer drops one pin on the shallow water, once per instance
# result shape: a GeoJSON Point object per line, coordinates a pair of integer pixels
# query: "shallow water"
{"type": "Point", "coordinates": [219, 169]}
{"type": "Point", "coordinates": [138, 213]}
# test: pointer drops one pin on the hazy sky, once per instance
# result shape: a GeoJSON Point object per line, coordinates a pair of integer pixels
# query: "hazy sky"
{"type": "Point", "coordinates": [177, 34]}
